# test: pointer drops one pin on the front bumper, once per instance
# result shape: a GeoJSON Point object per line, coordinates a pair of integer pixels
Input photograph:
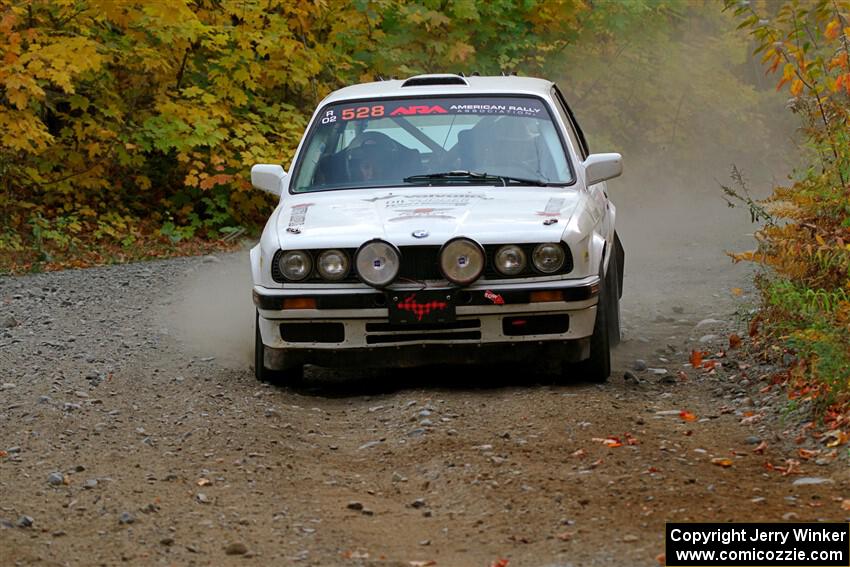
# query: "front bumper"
{"type": "Point", "coordinates": [353, 319]}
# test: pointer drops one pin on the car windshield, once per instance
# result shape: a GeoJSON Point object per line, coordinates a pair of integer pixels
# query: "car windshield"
{"type": "Point", "coordinates": [398, 142]}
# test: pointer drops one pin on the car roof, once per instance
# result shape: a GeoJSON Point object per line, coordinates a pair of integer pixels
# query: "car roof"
{"type": "Point", "coordinates": [448, 85]}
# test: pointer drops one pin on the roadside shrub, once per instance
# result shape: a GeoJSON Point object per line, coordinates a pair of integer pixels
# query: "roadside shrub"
{"type": "Point", "coordinates": [805, 233]}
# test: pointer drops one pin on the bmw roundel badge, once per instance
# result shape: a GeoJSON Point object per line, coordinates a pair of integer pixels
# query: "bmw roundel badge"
{"type": "Point", "coordinates": [420, 233]}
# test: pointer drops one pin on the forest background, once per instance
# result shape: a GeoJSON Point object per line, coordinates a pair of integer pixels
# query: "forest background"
{"type": "Point", "coordinates": [128, 128]}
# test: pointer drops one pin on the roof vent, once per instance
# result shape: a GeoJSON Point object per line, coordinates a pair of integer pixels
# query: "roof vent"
{"type": "Point", "coordinates": [430, 80]}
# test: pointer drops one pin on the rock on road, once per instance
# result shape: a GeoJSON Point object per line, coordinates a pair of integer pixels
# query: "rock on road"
{"type": "Point", "coordinates": [122, 441]}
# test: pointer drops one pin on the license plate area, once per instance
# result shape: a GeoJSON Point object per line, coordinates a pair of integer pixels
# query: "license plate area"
{"type": "Point", "coordinates": [416, 307]}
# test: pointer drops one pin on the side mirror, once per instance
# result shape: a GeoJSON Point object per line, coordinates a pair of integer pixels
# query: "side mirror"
{"type": "Point", "coordinates": [602, 167]}
{"type": "Point", "coordinates": [268, 178]}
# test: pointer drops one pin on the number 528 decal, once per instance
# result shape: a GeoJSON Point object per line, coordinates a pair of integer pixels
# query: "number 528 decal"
{"type": "Point", "coordinates": [363, 112]}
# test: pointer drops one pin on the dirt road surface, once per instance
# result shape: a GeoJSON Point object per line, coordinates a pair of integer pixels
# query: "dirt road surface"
{"type": "Point", "coordinates": [133, 431]}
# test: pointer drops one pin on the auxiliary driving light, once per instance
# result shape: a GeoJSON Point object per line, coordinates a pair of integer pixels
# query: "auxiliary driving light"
{"type": "Point", "coordinates": [462, 261]}
{"type": "Point", "coordinates": [377, 263]}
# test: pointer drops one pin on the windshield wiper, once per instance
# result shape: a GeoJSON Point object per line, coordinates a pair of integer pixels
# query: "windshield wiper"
{"type": "Point", "coordinates": [466, 175]}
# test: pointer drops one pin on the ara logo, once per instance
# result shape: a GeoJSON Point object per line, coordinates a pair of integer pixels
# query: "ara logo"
{"type": "Point", "coordinates": [408, 110]}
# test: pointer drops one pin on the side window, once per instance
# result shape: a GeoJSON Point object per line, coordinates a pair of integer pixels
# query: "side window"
{"type": "Point", "coordinates": [575, 130]}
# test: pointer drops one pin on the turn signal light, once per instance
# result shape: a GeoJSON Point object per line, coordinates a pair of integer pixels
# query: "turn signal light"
{"type": "Point", "coordinates": [549, 295]}
{"type": "Point", "coordinates": [299, 303]}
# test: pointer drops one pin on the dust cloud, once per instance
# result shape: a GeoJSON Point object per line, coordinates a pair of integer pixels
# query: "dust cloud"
{"type": "Point", "coordinates": [212, 313]}
{"type": "Point", "coordinates": [682, 105]}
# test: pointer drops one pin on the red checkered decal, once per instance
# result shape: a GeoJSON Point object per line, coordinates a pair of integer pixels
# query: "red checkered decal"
{"type": "Point", "coordinates": [409, 303]}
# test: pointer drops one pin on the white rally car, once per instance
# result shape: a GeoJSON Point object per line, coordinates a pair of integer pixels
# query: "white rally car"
{"type": "Point", "coordinates": [439, 219]}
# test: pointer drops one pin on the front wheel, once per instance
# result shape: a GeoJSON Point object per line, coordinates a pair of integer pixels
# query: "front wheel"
{"type": "Point", "coordinates": [597, 368]}
{"type": "Point", "coordinates": [290, 375]}
{"type": "Point", "coordinates": [612, 283]}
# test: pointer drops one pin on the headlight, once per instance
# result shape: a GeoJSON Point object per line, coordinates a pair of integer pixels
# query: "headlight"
{"type": "Point", "coordinates": [377, 263]}
{"type": "Point", "coordinates": [333, 265]}
{"type": "Point", "coordinates": [295, 265]}
{"type": "Point", "coordinates": [510, 260]}
{"type": "Point", "coordinates": [461, 261]}
{"type": "Point", "coordinates": [548, 258]}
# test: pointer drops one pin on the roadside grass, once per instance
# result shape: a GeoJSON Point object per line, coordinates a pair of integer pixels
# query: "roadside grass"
{"type": "Point", "coordinates": [812, 325]}
{"type": "Point", "coordinates": [59, 250]}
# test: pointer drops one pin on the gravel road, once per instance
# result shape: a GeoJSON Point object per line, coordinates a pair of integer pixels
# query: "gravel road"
{"type": "Point", "coordinates": [132, 431]}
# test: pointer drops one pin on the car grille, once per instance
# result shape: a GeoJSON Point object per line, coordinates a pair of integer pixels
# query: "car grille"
{"type": "Point", "coordinates": [420, 263]}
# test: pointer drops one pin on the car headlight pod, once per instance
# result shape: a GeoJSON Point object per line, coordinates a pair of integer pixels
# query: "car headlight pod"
{"type": "Point", "coordinates": [333, 265]}
{"type": "Point", "coordinates": [377, 263]}
{"type": "Point", "coordinates": [295, 265]}
{"type": "Point", "coordinates": [548, 257]}
{"type": "Point", "coordinates": [510, 260]}
{"type": "Point", "coordinates": [462, 261]}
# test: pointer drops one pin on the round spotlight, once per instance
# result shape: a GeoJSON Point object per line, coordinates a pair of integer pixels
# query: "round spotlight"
{"type": "Point", "coordinates": [462, 261]}
{"type": "Point", "coordinates": [377, 263]}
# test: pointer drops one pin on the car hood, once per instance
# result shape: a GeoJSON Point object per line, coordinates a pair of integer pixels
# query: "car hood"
{"type": "Point", "coordinates": [348, 218]}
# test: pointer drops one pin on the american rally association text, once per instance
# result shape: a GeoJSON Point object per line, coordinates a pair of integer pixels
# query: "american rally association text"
{"type": "Point", "coordinates": [757, 534]}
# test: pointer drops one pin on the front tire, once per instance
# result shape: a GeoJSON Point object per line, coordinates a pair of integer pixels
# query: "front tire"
{"type": "Point", "coordinates": [612, 284]}
{"type": "Point", "coordinates": [290, 375]}
{"type": "Point", "coordinates": [597, 368]}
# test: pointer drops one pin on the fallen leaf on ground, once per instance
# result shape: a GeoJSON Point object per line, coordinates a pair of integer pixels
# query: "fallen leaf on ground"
{"type": "Point", "coordinates": [754, 325]}
{"type": "Point", "coordinates": [760, 448]}
{"type": "Point", "coordinates": [807, 454]}
{"type": "Point", "coordinates": [734, 341]}
{"type": "Point", "coordinates": [579, 453]}
{"type": "Point", "coordinates": [631, 440]}
{"type": "Point", "coordinates": [737, 291]}
{"type": "Point", "coordinates": [682, 375]}
{"type": "Point", "coordinates": [609, 441]}
{"type": "Point", "coordinates": [565, 536]}
{"type": "Point", "coordinates": [751, 419]}
{"type": "Point", "coordinates": [687, 416]}
{"type": "Point", "coordinates": [4, 454]}
{"type": "Point", "coordinates": [832, 455]}
{"type": "Point", "coordinates": [661, 558]}
{"type": "Point", "coordinates": [721, 462]}
{"type": "Point", "coordinates": [845, 504]}
{"type": "Point", "coordinates": [422, 563]}
{"type": "Point", "coordinates": [696, 358]}
{"type": "Point", "coordinates": [838, 438]}
{"type": "Point", "coordinates": [500, 563]}
{"type": "Point", "coordinates": [791, 467]}
{"type": "Point", "coordinates": [204, 482]}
